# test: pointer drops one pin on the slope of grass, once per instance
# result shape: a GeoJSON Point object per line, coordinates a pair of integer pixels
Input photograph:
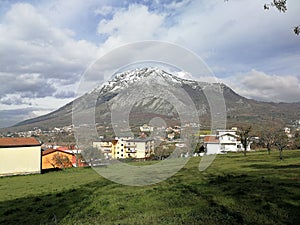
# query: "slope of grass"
{"type": "Point", "coordinates": [257, 189]}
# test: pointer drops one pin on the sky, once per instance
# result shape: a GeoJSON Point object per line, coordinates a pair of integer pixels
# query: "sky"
{"type": "Point", "coordinates": [45, 46]}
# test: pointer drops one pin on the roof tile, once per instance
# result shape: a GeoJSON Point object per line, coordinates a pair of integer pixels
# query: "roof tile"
{"type": "Point", "coordinates": [19, 142]}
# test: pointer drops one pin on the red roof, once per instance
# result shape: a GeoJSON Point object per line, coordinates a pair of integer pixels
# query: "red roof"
{"type": "Point", "coordinates": [211, 139]}
{"type": "Point", "coordinates": [19, 142]}
{"type": "Point", "coordinates": [51, 150]}
{"type": "Point", "coordinates": [62, 148]}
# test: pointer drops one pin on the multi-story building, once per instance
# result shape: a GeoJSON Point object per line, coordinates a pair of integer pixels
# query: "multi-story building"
{"type": "Point", "coordinates": [223, 141]}
{"type": "Point", "coordinates": [125, 147]}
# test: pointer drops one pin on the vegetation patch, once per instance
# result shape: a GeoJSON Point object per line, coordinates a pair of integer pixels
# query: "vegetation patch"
{"type": "Point", "coordinates": [256, 189]}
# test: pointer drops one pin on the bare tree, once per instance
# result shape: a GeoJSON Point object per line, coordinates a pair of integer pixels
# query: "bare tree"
{"type": "Point", "coordinates": [268, 139]}
{"type": "Point", "coordinates": [61, 161]}
{"type": "Point", "coordinates": [91, 155]}
{"type": "Point", "coordinates": [281, 142]}
{"type": "Point", "coordinates": [296, 140]}
{"type": "Point", "coordinates": [244, 134]}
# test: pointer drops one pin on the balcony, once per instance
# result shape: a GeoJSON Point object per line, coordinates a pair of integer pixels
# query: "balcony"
{"type": "Point", "coordinates": [106, 149]}
{"type": "Point", "coordinates": [130, 151]}
{"type": "Point", "coordinates": [105, 145]}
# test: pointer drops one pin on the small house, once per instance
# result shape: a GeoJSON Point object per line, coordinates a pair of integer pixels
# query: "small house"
{"type": "Point", "coordinates": [55, 158]}
{"type": "Point", "coordinates": [20, 156]}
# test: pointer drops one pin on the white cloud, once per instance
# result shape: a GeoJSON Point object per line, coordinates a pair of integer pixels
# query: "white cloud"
{"type": "Point", "coordinates": [34, 53]}
{"type": "Point", "coordinates": [45, 47]}
{"type": "Point", "coordinates": [261, 86]}
{"type": "Point", "coordinates": [238, 35]}
{"type": "Point", "coordinates": [105, 10]}
{"type": "Point", "coordinates": [133, 24]}
{"type": "Point", "coordinates": [10, 117]}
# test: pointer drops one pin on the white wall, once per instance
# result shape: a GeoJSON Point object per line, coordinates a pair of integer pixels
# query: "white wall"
{"type": "Point", "coordinates": [20, 160]}
{"type": "Point", "coordinates": [212, 148]}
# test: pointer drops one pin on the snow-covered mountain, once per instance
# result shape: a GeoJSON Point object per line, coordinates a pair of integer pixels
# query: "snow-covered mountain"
{"type": "Point", "coordinates": [147, 93]}
{"type": "Point", "coordinates": [128, 78]}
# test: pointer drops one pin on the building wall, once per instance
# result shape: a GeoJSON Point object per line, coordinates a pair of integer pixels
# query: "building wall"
{"type": "Point", "coordinates": [228, 147]}
{"type": "Point", "coordinates": [212, 148]}
{"type": "Point", "coordinates": [126, 148]}
{"type": "Point", "coordinates": [140, 150]}
{"type": "Point", "coordinates": [20, 160]}
{"type": "Point", "coordinates": [49, 163]}
{"type": "Point", "coordinates": [120, 150]}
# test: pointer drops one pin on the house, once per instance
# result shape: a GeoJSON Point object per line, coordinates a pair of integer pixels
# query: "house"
{"type": "Point", "coordinates": [223, 141]}
{"type": "Point", "coordinates": [171, 136]}
{"type": "Point", "coordinates": [143, 147]}
{"type": "Point", "coordinates": [212, 144]}
{"type": "Point", "coordinates": [106, 146]}
{"type": "Point", "coordinates": [121, 148]}
{"type": "Point", "coordinates": [59, 158]}
{"type": "Point", "coordinates": [228, 140]}
{"type": "Point", "coordinates": [146, 128]}
{"type": "Point", "coordinates": [20, 156]}
{"type": "Point", "coordinates": [55, 158]}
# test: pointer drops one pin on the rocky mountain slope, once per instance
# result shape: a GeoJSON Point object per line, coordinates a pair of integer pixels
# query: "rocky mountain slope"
{"type": "Point", "coordinates": [126, 89]}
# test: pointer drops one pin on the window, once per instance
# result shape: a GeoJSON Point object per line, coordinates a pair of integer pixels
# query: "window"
{"type": "Point", "coordinates": [121, 150]}
{"type": "Point", "coordinates": [121, 144]}
{"type": "Point", "coordinates": [121, 155]}
{"type": "Point", "coordinates": [129, 154]}
{"type": "Point", "coordinates": [117, 152]}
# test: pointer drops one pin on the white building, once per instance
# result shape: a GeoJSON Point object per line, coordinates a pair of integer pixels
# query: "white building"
{"type": "Point", "coordinates": [212, 144]}
{"type": "Point", "coordinates": [20, 156]}
{"type": "Point", "coordinates": [146, 128]}
{"type": "Point", "coordinates": [223, 141]}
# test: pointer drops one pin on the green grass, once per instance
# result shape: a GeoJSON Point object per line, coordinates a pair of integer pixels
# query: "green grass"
{"type": "Point", "coordinates": [256, 189]}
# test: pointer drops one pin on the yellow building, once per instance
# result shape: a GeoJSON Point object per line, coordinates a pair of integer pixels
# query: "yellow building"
{"type": "Point", "coordinates": [19, 156]}
{"type": "Point", "coordinates": [122, 148]}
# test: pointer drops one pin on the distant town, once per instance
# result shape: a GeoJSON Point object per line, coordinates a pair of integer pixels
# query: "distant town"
{"type": "Point", "coordinates": [38, 150]}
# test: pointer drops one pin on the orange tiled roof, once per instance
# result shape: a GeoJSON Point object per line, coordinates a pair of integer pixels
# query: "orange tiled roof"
{"type": "Point", "coordinates": [51, 150]}
{"type": "Point", "coordinates": [18, 142]}
{"type": "Point", "coordinates": [211, 139]}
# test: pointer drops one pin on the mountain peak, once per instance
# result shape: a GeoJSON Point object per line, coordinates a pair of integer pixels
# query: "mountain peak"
{"type": "Point", "coordinates": [125, 79]}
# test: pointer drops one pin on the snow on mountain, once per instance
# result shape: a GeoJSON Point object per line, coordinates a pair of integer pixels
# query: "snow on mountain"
{"type": "Point", "coordinates": [125, 79]}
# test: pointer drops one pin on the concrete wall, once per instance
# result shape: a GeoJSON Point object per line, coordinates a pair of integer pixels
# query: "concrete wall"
{"type": "Point", "coordinates": [20, 160]}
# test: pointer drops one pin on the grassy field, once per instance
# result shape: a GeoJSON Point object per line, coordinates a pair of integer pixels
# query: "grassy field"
{"type": "Point", "coordinates": [256, 189]}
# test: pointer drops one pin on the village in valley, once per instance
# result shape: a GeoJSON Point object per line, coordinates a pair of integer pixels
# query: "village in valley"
{"type": "Point", "coordinates": [40, 150]}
